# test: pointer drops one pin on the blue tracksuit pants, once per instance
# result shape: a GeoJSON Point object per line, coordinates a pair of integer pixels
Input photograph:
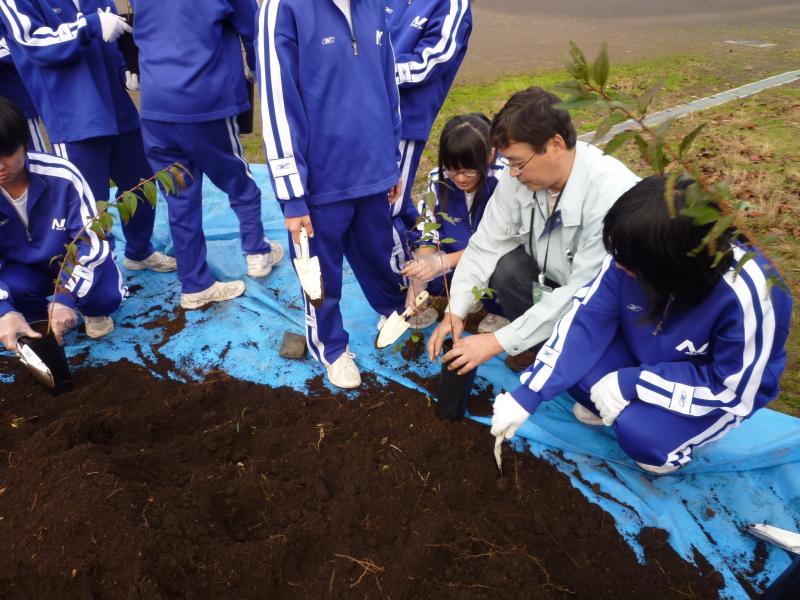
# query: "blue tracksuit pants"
{"type": "Point", "coordinates": [360, 230]}
{"type": "Point", "coordinates": [30, 287]}
{"type": "Point", "coordinates": [211, 148]}
{"type": "Point", "coordinates": [119, 158]}
{"type": "Point", "coordinates": [404, 211]}
{"type": "Point", "coordinates": [648, 433]}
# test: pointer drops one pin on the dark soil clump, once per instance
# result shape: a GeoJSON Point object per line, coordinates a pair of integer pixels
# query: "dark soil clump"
{"type": "Point", "coordinates": [131, 487]}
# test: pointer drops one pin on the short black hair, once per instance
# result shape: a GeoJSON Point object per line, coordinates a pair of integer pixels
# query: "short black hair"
{"type": "Point", "coordinates": [640, 234]}
{"type": "Point", "coordinates": [529, 117]}
{"type": "Point", "coordinates": [13, 128]}
{"type": "Point", "coordinates": [465, 144]}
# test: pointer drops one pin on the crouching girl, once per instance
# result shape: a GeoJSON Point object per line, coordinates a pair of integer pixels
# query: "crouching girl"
{"type": "Point", "coordinates": [461, 186]}
{"type": "Point", "coordinates": [44, 203]}
{"type": "Point", "coordinates": [670, 349]}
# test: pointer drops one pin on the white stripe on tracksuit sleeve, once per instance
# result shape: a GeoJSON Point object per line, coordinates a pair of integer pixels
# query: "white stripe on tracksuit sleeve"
{"type": "Point", "coordinates": [445, 32]}
{"type": "Point", "coordinates": [92, 250]}
{"type": "Point", "coordinates": [42, 44]}
{"type": "Point", "coordinates": [285, 127]}
{"type": "Point", "coordinates": [742, 349]}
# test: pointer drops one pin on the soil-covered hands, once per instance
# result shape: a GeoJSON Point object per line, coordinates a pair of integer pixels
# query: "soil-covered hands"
{"type": "Point", "coordinates": [293, 225]}
{"type": "Point", "coordinates": [608, 398]}
{"type": "Point", "coordinates": [427, 267]}
{"type": "Point", "coordinates": [12, 326]}
{"type": "Point", "coordinates": [394, 191]}
{"type": "Point", "coordinates": [508, 416]}
{"type": "Point", "coordinates": [112, 26]}
{"type": "Point", "coordinates": [64, 319]}
{"type": "Point", "coordinates": [442, 331]}
{"type": "Point", "coordinates": [471, 351]}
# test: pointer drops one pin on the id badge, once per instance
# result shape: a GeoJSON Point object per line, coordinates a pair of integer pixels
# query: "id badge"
{"type": "Point", "coordinates": [540, 291]}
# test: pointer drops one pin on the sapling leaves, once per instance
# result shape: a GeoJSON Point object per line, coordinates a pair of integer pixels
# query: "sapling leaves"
{"type": "Point", "coordinates": [151, 193]}
{"type": "Point", "coordinates": [448, 240]}
{"type": "Point", "coordinates": [166, 181]}
{"type": "Point", "coordinates": [601, 67]}
{"type": "Point", "coordinates": [615, 118]}
{"type": "Point", "coordinates": [687, 141]}
{"type": "Point", "coordinates": [619, 140]}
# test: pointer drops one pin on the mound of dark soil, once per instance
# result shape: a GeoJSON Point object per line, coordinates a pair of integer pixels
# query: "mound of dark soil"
{"type": "Point", "coordinates": [131, 487]}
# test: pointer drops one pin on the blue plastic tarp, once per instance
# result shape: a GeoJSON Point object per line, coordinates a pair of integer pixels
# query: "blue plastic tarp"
{"type": "Point", "coordinates": [752, 475]}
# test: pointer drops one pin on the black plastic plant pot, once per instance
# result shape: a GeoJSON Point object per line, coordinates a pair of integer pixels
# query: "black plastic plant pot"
{"type": "Point", "coordinates": [245, 119]}
{"type": "Point", "coordinates": [45, 359]}
{"type": "Point", "coordinates": [454, 390]}
{"type": "Point", "coordinates": [128, 48]}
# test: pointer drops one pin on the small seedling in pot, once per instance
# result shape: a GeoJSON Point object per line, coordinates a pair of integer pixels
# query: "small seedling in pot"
{"type": "Point", "coordinates": [414, 346]}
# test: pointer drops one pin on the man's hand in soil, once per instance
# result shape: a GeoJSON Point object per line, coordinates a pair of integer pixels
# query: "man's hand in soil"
{"type": "Point", "coordinates": [293, 225]}
{"type": "Point", "coordinates": [508, 416]}
{"type": "Point", "coordinates": [64, 319]}
{"type": "Point", "coordinates": [12, 326]}
{"type": "Point", "coordinates": [471, 351]}
{"type": "Point", "coordinates": [442, 331]}
{"type": "Point", "coordinates": [394, 191]}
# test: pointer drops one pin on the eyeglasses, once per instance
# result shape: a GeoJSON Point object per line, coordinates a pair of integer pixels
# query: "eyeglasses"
{"type": "Point", "coordinates": [520, 166]}
{"type": "Point", "coordinates": [467, 173]}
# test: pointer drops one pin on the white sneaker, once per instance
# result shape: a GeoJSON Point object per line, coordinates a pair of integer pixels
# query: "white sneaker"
{"type": "Point", "coordinates": [157, 261]}
{"type": "Point", "coordinates": [259, 265]}
{"type": "Point", "coordinates": [97, 327]}
{"type": "Point", "coordinates": [424, 319]}
{"type": "Point", "coordinates": [343, 372]}
{"type": "Point", "coordinates": [218, 292]}
{"type": "Point", "coordinates": [492, 323]}
{"type": "Point", "coordinates": [585, 416]}
{"type": "Point", "coordinates": [663, 470]}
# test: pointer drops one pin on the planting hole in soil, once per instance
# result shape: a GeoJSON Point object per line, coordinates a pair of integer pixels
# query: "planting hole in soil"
{"type": "Point", "coordinates": [128, 486]}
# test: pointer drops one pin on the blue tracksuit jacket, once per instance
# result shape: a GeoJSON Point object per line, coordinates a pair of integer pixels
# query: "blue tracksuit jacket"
{"type": "Point", "coordinates": [463, 225]}
{"type": "Point", "coordinates": [191, 70]}
{"type": "Point", "coordinates": [725, 354]}
{"type": "Point", "coordinates": [76, 80]}
{"type": "Point", "coordinates": [59, 204]}
{"type": "Point", "coordinates": [329, 101]}
{"type": "Point", "coordinates": [11, 85]}
{"type": "Point", "coordinates": [430, 40]}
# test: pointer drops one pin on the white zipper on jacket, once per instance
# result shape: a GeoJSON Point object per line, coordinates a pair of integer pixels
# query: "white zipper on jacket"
{"type": "Point", "coordinates": [351, 27]}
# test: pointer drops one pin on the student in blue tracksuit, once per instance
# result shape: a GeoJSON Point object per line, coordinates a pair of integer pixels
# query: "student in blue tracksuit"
{"type": "Point", "coordinates": [66, 53]}
{"type": "Point", "coordinates": [193, 87]}
{"type": "Point", "coordinates": [11, 87]}
{"type": "Point", "coordinates": [329, 106]}
{"type": "Point", "coordinates": [430, 40]}
{"type": "Point", "coordinates": [461, 186]}
{"type": "Point", "coordinates": [44, 204]}
{"type": "Point", "coordinates": [670, 350]}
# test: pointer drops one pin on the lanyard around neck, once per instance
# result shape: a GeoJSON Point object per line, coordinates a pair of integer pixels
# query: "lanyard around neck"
{"type": "Point", "coordinates": [549, 226]}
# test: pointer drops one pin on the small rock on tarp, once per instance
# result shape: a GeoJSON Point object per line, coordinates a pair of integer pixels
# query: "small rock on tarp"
{"type": "Point", "coordinates": [293, 346]}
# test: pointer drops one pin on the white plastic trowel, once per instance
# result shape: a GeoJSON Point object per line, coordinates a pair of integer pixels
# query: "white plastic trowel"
{"type": "Point", "coordinates": [788, 540]}
{"type": "Point", "coordinates": [308, 272]}
{"type": "Point", "coordinates": [498, 452]}
{"type": "Point", "coordinates": [397, 324]}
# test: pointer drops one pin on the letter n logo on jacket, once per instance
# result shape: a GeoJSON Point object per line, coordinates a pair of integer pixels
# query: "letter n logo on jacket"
{"type": "Point", "coordinates": [418, 22]}
{"type": "Point", "coordinates": [59, 225]}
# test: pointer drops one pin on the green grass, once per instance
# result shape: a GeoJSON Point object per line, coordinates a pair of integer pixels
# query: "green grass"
{"type": "Point", "coordinates": [752, 143]}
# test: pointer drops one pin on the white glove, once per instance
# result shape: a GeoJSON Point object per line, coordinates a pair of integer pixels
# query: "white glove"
{"type": "Point", "coordinates": [607, 397]}
{"type": "Point", "coordinates": [112, 26]}
{"type": "Point", "coordinates": [427, 267]}
{"type": "Point", "coordinates": [64, 319]}
{"type": "Point", "coordinates": [131, 81]}
{"type": "Point", "coordinates": [508, 416]}
{"type": "Point", "coordinates": [13, 326]}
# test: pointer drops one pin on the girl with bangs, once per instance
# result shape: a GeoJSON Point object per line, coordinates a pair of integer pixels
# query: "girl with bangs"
{"type": "Point", "coordinates": [462, 184]}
